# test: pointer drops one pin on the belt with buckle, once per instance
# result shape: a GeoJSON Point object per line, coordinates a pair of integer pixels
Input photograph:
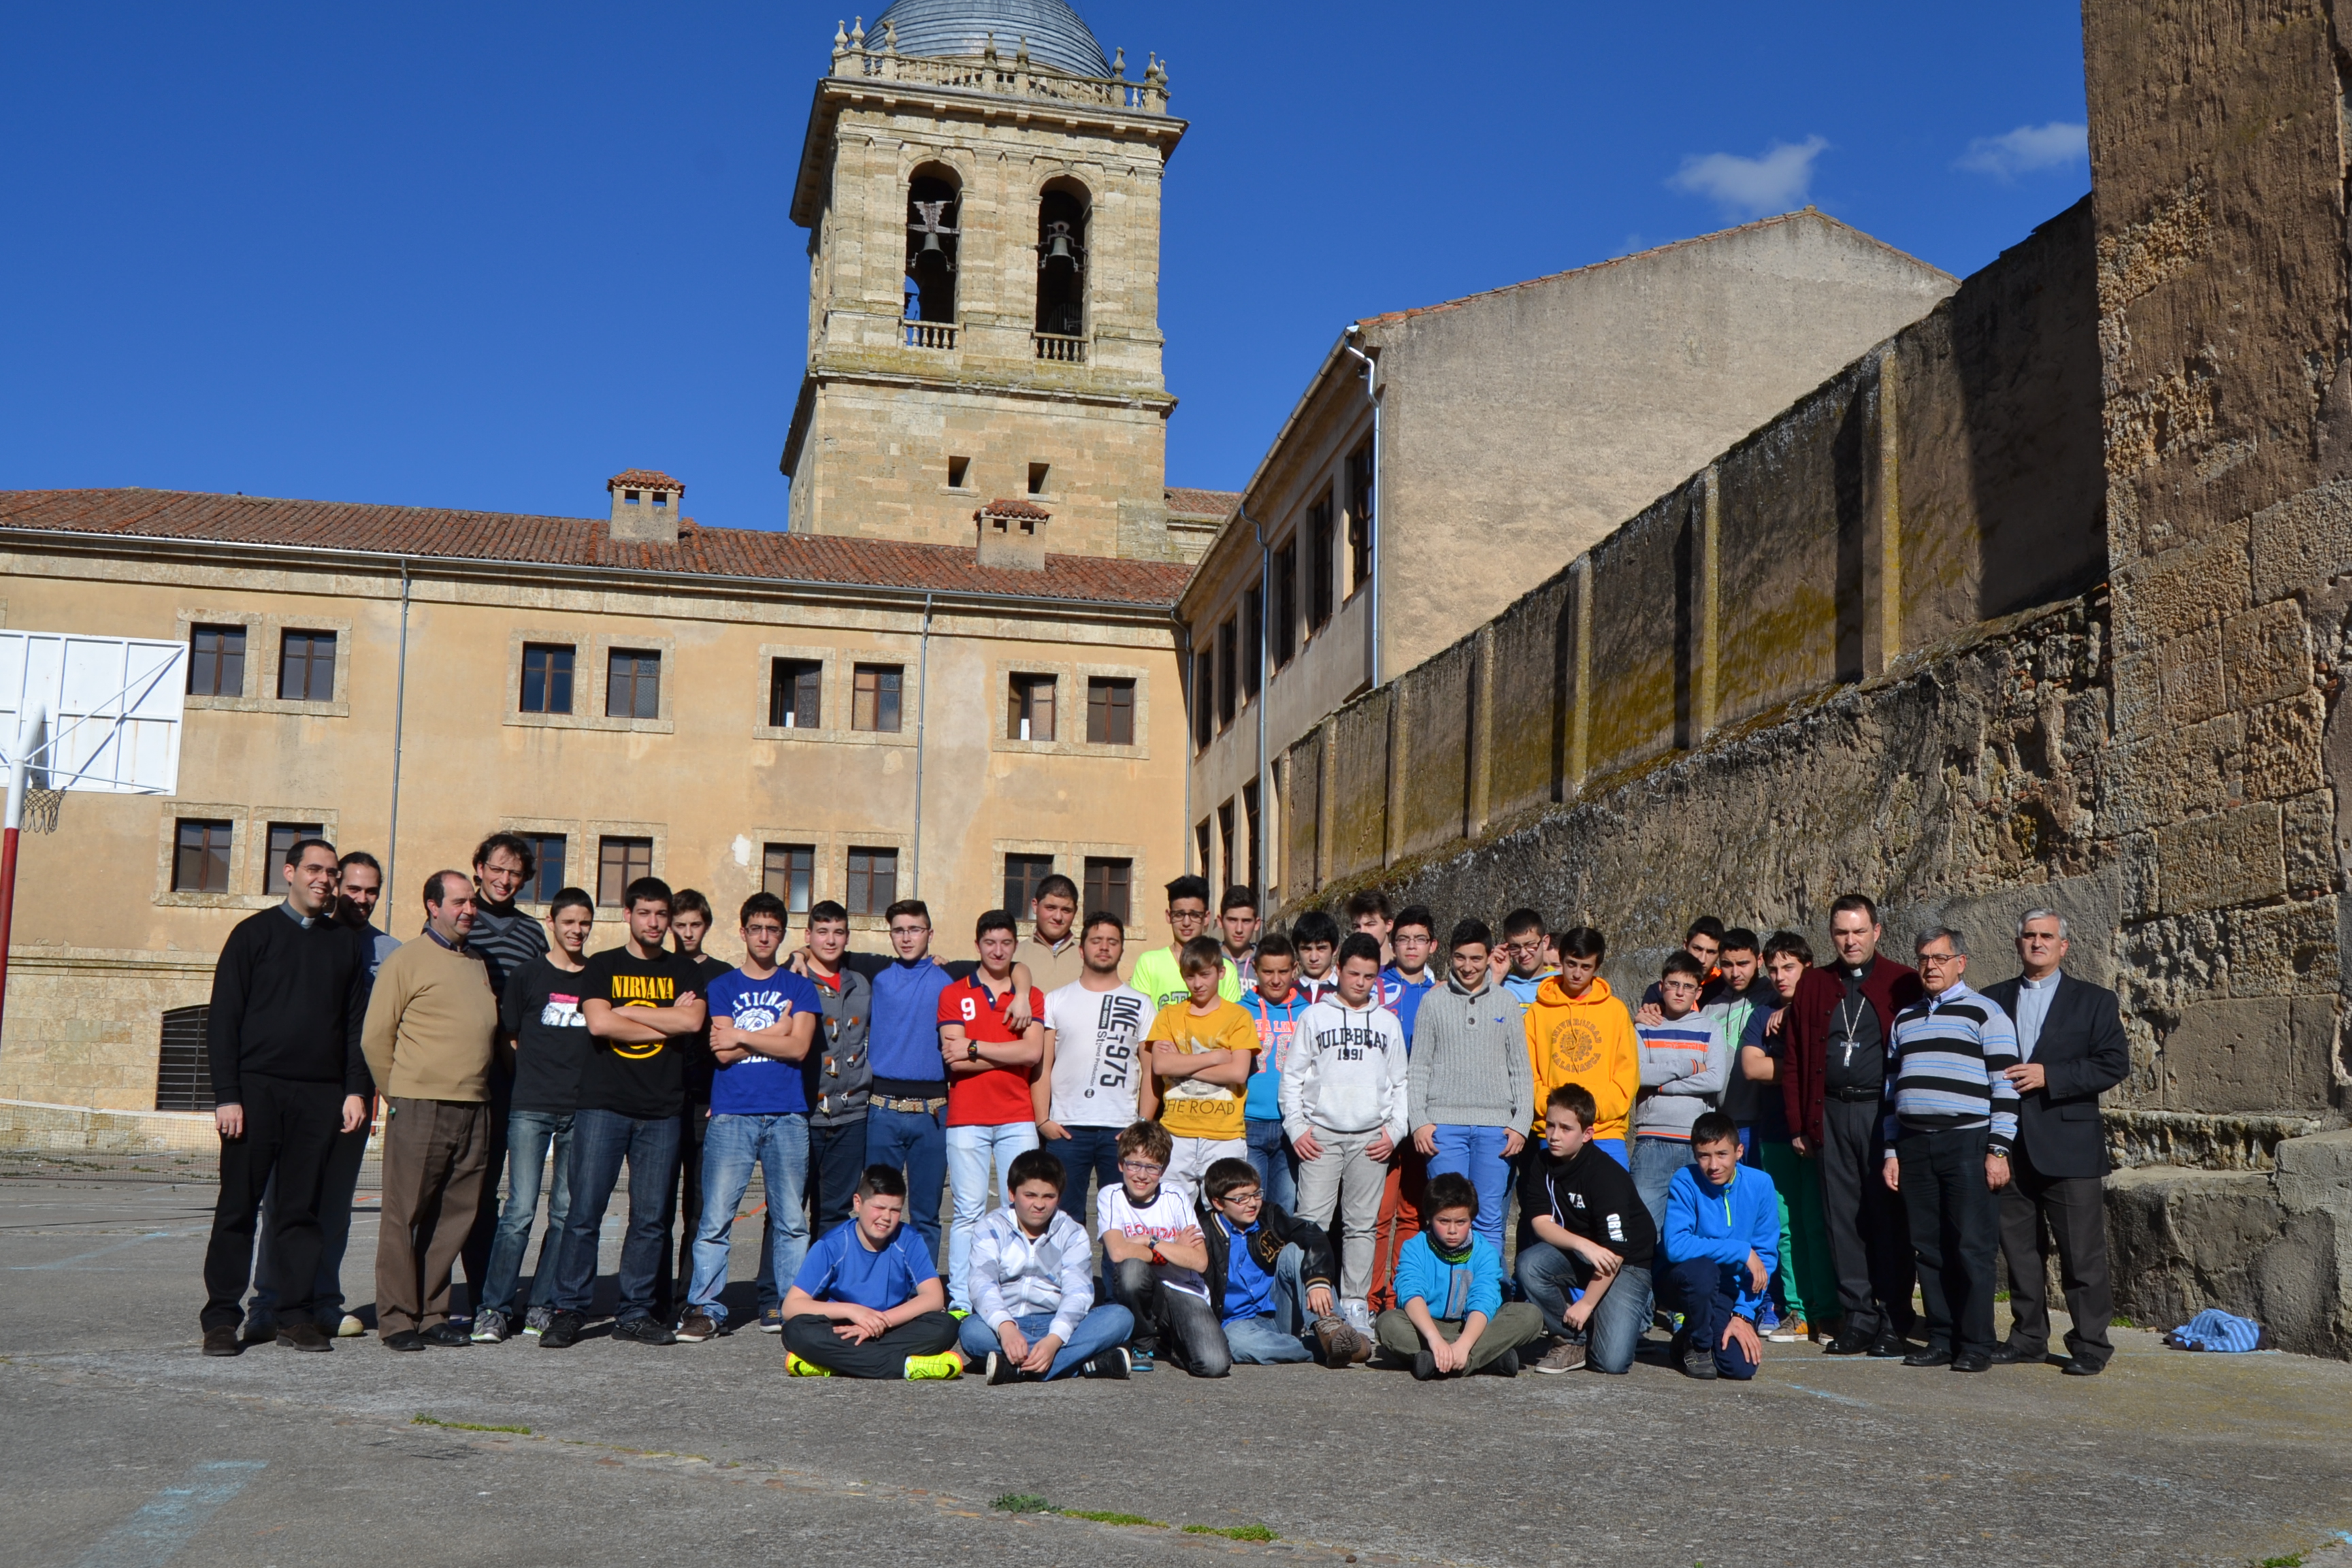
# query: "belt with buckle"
{"type": "Point", "coordinates": [914, 1107]}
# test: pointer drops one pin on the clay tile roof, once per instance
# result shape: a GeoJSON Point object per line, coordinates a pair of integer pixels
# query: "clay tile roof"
{"type": "Point", "coordinates": [1186, 502]}
{"type": "Point", "coordinates": [1008, 507]}
{"type": "Point", "coordinates": [580, 542]}
{"type": "Point", "coordinates": [644, 479]}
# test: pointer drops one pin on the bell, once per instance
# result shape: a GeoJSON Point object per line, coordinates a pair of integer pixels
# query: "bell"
{"type": "Point", "coordinates": [931, 246]}
{"type": "Point", "coordinates": [1058, 248]}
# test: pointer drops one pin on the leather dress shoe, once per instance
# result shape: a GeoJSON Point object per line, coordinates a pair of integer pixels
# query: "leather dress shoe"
{"type": "Point", "coordinates": [2077, 1367]}
{"type": "Point", "coordinates": [2009, 1354]}
{"type": "Point", "coordinates": [1848, 1344]}
{"type": "Point", "coordinates": [404, 1340]}
{"type": "Point", "coordinates": [446, 1335]}
{"type": "Point", "coordinates": [304, 1335]}
{"type": "Point", "coordinates": [1889, 1345]}
{"type": "Point", "coordinates": [224, 1341]}
{"type": "Point", "coordinates": [1928, 1356]}
{"type": "Point", "coordinates": [1972, 1360]}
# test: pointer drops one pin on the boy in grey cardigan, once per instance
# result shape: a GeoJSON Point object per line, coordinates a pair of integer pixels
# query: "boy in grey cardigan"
{"type": "Point", "coordinates": [1686, 1063]}
{"type": "Point", "coordinates": [1470, 1088]}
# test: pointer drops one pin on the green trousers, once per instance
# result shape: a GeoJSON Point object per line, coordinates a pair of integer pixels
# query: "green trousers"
{"type": "Point", "coordinates": [1807, 1277]}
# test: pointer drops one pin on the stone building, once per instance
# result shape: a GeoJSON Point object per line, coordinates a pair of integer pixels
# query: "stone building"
{"type": "Point", "coordinates": [2047, 599]}
{"type": "Point", "coordinates": [1494, 438]}
{"type": "Point", "coordinates": [955, 674]}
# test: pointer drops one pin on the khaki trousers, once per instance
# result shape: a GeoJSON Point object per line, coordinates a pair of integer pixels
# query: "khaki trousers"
{"type": "Point", "coordinates": [436, 1153]}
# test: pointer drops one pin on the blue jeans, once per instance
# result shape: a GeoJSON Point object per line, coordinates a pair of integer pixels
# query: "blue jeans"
{"type": "Point", "coordinates": [1477, 1152]}
{"type": "Point", "coordinates": [1100, 1329]}
{"type": "Point", "coordinates": [600, 1140]}
{"type": "Point", "coordinates": [1086, 1152]}
{"type": "Point", "coordinates": [1272, 1338]}
{"type": "Point", "coordinates": [529, 1136]}
{"type": "Point", "coordinates": [971, 1151]}
{"type": "Point", "coordinates": [1618, 1319]}
{"type": "Point", "coordinates": [1654, 1163]}
{"type": "Point", "coordinates": [1278, 1167]}
{"type": "Point", "coordinates": [1707, 1293]}
{"type": "Point", "coordinates": [731, 1145]}
{"type": "Point", "coordinates": [916, 1143]}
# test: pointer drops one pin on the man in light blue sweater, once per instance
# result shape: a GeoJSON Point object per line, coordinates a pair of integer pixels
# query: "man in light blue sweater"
{"type": "Point", "coordinates": [1720, 1239]}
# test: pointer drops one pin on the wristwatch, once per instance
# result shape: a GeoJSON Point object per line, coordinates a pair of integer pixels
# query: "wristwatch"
{"type": "Point", "coordinates": [971, 1050]}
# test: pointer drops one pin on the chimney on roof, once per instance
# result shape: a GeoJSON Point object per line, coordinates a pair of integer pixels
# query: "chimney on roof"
{"type": "Point", "coordinates": [1012, 536]}
{"type": "Point", "coordinates": [644, 506]}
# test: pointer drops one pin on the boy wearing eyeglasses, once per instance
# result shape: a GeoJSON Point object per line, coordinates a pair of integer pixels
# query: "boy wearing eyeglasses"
{"type": "Point", "coordinates": [1153, 1254]}
{"type": "Point", "coordinates": [1270, 1277]}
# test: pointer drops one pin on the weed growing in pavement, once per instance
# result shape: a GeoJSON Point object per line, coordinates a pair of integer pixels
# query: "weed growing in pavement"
{"type": "Point", "coordinates": [1023, 1502]}
{"type": "Point", "coordinates": [2292, 1559]}
{"type": "Point", "coordinates": [1030, 1503]}
{"type": "Point", "coordinates": [1234, 1533]}
{"type": "Point", "coordinates": [467, 1425]}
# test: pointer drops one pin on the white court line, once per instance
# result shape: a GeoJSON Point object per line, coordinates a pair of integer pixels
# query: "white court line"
{"type": "Point", "coordinates": [155, 1535]}
{"type": "Point", "coordinates": [102, 1252]}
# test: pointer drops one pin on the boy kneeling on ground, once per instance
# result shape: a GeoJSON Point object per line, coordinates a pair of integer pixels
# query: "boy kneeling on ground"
{"type": "Point", "coordinates": [1033, 1293]}
{"type": "Point", "coordinates": [867, 1301]}
{"type": "Point", "coordinates": [1593, 1234]}
{"type": "Point", "coordinates": [1453, 1318]}
{"type": "Point", "coordinates": [1270, 1277]}
{"type": "Point", "coordinates": [1722, 1236]}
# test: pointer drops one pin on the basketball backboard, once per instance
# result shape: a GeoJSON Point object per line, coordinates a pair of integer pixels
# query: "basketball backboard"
{"type": "Point", "coordinates": [114, 708]}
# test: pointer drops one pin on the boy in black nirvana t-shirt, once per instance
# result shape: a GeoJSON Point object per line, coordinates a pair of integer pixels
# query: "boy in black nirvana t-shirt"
{"type": "Point", "coordinates": [643, 1008]}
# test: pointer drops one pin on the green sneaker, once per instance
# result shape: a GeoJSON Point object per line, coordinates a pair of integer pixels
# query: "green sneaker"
{"type": "Point", "coordinates": [947, 1364]}
{"type": "Point", "coordinates": [795, 1367]}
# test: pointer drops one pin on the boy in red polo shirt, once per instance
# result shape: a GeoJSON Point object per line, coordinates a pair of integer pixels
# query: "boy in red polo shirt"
{"type": "Point", "coordinates": [991, 1116]}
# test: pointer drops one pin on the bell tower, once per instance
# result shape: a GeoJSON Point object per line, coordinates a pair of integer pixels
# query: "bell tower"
{"type": "Point", "coordinates": [981, 192]}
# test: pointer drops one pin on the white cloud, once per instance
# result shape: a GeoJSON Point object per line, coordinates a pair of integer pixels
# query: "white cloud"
{"type": "Point", "coordinates": [1751, 188]}
{"type": "Point", "coordinates": [2056, 145]}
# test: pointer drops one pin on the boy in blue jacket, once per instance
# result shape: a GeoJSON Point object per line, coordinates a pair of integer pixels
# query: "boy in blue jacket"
{"type": "Point", "coordinates": [1450, 1316]}
{"type": "Point", "coordinates": [1721, 1240]}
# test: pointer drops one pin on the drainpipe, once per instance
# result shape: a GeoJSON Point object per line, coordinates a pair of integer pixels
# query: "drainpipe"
{"type": "Point", "coordinates": [1261, 856]}
{"type": "Point", "coordinates": [922, 707]}
{"type": "Point", "coordinates": [1380, 474]}
{"type": "Point", "coordinates": [399, 713]}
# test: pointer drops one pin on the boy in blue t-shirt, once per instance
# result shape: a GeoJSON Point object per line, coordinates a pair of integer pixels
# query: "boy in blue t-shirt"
{"type": "Point", "coordinates": [763, 1022]}
{"type": "Point", "coordinates": [869, 1301]}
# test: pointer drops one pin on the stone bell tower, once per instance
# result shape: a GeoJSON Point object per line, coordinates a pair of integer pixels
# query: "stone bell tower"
{"type": "Point", "coordinates": [981, 192]}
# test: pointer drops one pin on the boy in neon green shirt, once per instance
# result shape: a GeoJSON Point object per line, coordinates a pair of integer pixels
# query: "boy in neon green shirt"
{"type": "Point", "coordinates": [1159, 973]}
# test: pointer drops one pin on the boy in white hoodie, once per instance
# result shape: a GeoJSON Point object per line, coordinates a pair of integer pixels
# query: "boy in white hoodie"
{"type": "Point", "coordinates": [1343, 1104]}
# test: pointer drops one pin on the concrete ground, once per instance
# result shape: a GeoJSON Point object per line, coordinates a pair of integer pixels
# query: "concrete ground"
{"type": "Point", "coordinates": [129, 1448]}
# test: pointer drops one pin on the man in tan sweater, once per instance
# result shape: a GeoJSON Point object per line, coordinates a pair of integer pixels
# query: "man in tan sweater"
{"type": "Point", "coordinates": [431, 1023]}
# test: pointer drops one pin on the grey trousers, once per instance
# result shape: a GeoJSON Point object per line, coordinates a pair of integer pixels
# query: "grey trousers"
{"type": "Point", "coordinates": [2076, 1209]}
{"type": "Point", "coordinates": [1349, 1180]}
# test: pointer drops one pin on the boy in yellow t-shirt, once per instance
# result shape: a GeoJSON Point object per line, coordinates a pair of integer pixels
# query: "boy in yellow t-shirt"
{"type": "Point", "coordinates": [1203, 1050]}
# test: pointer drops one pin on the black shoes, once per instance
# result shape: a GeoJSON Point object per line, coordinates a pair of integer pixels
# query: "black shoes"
{"type": "Point", "coordinates": [304, 1336]}
{"type": "Point", "coordinates": [2009, 1354]}
{"type": "Point", "coordinates": [224, 1341]}
{"type": "Point", "coordinates": [1972, 1360]}
{"type": "Point", "coordinates": [563, 1331]}
{"type": "Point", "coordinates": [1002, 1369]}
{"type": "Point", "coordinates": [643, 1330]}
{"type": "Point", "coordinates": [1504, 1365]}
{"type": "Point", "coordinates": [1928, 1356]}
{"type": "Point", "coordinates": [406, 1339]}
{"type": "Point", "coordinates": [1848, 1343]}
{"type": "Point", "coordinates": [446, 1335]}
{"type": "Point", "coordinates": [1424, 1366]}
{"type": "Point", "coordinates": [2076, 1367]}
{"type": "Point", "coordinates": [1889, 1346]}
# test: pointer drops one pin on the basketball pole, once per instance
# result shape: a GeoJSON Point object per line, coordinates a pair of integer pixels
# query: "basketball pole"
{"type": "Point", "coordinates": [19, 764]}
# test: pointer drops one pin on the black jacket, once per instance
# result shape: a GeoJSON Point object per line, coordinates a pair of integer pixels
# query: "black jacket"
{"type": "Point", "coordinates": [2083, 1051]}
{"type": "Point", "coordinates": [1276, 1230]}
{"type": "Point", "coordinates": [287, 1002]}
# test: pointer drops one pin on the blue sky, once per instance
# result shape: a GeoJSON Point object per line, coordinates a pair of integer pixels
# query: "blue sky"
{"type": "Point", "coordinates": [484, 256]}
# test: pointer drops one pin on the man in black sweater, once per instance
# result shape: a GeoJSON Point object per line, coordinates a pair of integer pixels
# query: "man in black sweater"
{"type": "Point", "coordinates": [289, 993]}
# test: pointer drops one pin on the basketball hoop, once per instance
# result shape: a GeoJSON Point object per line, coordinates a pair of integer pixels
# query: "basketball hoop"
{"type": "Point", "coordinates": [41, 807]}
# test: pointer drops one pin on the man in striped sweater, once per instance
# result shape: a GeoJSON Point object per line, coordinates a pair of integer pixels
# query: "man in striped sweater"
{"type": "Point", "coordinates": [1950, 1122]}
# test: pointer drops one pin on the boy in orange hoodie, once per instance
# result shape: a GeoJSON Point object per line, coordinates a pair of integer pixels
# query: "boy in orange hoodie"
{"type": "Point", "coordinates": [1579, 1032]}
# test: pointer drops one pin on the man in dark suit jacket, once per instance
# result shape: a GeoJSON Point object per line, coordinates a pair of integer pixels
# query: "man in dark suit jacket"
{"type": "Point", "coordinates": [2070, 1038]}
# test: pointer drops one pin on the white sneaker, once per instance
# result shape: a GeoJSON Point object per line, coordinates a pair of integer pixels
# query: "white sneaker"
{"type": "Point", "coordinates": [351, 1328]}
{"type": "Point", "coordinates": [1359, 1314]}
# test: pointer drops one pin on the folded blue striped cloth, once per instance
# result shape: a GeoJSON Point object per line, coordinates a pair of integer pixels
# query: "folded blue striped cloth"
{"type": "Point", "coordinates": [2215, 1329]}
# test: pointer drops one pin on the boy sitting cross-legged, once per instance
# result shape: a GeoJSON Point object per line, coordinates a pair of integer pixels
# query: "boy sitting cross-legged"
{"type": "Point", "coordinates": [1270, 1275]}
{"type": "Point", "coordinates": [1449, 1279]}
{"type": "Point", "coordinates": [867, 1301]}
{"type": "Point", "coordinates": [1153, 1254]}
{"type": "Point", "coordinates": [1033, 1295]}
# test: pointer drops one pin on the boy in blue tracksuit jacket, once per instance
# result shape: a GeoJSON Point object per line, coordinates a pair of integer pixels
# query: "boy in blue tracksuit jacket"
{"type": "Point", "coordinates": [1450, 1316]}
{"type": "Point", "coordinates": [1720, 1245]}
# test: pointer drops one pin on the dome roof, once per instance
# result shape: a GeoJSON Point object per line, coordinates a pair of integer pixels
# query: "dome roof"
{"type": "Point", "coordinates": [1058, 39]}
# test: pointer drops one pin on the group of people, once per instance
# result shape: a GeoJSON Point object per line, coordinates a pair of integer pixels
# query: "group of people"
{"type": "Point", "coordinates": [1249, 1148]}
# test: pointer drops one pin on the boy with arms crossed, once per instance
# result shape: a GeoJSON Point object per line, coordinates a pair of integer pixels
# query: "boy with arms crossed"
{"type": "Point", "coordinates": [991, 1060]}
{"type": "Point", "coordinates": [1202, 1051]}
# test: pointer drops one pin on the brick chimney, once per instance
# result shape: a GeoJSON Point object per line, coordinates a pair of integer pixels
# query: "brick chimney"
{"type": "Point", "coordinates": [1012, 536]}
{"type": "Point", "coordinates": [644, 506]}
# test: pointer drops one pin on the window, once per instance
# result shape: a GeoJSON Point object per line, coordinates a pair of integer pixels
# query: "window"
{"type": "Point", "coordinates": [1285, 602]}
{"type": "Point", "coordinates": [546, 677]}
{"type": "Point", "coordinates": [1360, 516]}
{"type": "Point", "coordinates": [796, 694]}
{"type": "Point", "coordinates": [958, 470]}
{"type": "Point", "coordinates": [873, 880]}
{"type": "Point", "coordinates": [932, 240]}
{"type": "Point", "coordinates": [789, 871]}
{"type": "Point", "coordinates": [632, 498]}
{"type": "Point", "coordinates": [1204, 714]}
{"type": "Point", "coordinates": [1029, 709]}
{"type": "Point", "coordinates": [1037, 475]}
{"type": "Point", "coordinates": [1225, 841]}
{"type": "Point", "coordinates": [1320, 565]}
{"type": "Point", "coordinates": [1203, 842]}
{"type": "Point", "coordinates": [216, 661]}
{"type": "Point", "coordinates": [1252, 639]}
{"type": "Point", "coordinates": [1022, 875]}
{"type": "Point", "coordinates": [1107, 882]}
{"type": "Point", "coordinates": [548, 851]}
{"type": "Point", "coordinates": [306, 667]}
{"type": "Point", "coordinates": [283, 836]}
{"type": "Point", "coordinates": [874, 700]}
{"type": "Point", "coordinates": [1249, 809]}
{"type": "Point", "coordinates": [619, 862]}
{"type": "Point", "coordinates": [1062, 260]}
{"type": "Point", "coordinates": [1228, 667]}
{"type": "Point", "coordinates": [632, 684]}
{"type": "Point", "coordinates": [200, 857]}
{"type": "Point", "coordinates": [1110, 711]}
{"type": "Point", "coordinates": [661, 498]}
{"type": "Point", "coordinates": [183, 1078]}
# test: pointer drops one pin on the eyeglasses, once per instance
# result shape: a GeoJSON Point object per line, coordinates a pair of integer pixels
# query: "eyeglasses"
{"type": "Point", "coordinates": [1141, 1167]}
{"type": "Point", "coordinates": [1248, 1200]}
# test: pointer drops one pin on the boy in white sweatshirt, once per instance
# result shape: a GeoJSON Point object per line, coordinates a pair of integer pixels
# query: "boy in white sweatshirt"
{"type": "Point", "coordinates": [1343, 1104]}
